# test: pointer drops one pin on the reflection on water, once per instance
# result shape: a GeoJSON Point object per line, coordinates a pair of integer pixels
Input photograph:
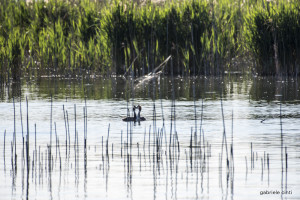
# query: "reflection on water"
{"type": "Point", "coordinates": [258, 89]}
{"type": "Point", "coordinates": [75, 146]}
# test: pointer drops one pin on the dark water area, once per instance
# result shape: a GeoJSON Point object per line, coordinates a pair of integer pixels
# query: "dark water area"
{"type": "Point", "coordinates": [259, 89]}
{"type": "Point", "coordinates": [204, 138]}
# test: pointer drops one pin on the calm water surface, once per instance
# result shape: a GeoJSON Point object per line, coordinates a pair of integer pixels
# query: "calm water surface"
{"type": "Point", "coordinates": [184, 150]}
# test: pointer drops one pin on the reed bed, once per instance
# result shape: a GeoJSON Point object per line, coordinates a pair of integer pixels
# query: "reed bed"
{"type": "Point", "coordinates": [273, 30]}
{"type": "Point", "coordinates": [158, 152]}
{"type": "Point", "coordinates": [68, 38]}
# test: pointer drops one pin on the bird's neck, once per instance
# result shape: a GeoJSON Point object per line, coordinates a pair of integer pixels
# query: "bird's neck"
{"type": "Point", "coordinates": [139, 114]}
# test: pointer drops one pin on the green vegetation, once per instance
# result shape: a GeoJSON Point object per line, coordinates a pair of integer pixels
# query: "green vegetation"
{"type": "Point", "coordinates": [274, 30]}
{"type": "Point", "coordinates": [67, 38]}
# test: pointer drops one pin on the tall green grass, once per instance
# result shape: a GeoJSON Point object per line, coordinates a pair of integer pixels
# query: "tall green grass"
{"type": "Point", "coordinates": [274, 30]}
{"type": "Point", "coordinates": [78, 38]}
{"type": "Point", "coordinates": [53, 38]}
{"type": "Point", "coordinates": [152, 33]}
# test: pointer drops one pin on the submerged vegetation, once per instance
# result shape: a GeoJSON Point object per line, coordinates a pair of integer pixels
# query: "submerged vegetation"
{"type": "Point", "coordinates": [67, 38]}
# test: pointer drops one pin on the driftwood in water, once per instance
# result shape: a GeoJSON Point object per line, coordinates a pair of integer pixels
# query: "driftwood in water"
{"type": "Point", "coordinates": [156, 72]}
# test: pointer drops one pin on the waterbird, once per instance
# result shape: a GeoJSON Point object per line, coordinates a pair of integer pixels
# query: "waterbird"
{"type": "Point", "coordinates": [139, 118]}
{"type": "Point", "coordinates": [262, 120]}
{"type": "Point", "coordinates": [131, 119]}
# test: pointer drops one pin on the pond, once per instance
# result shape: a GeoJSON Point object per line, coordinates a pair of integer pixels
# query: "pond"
{"type": "Point", "coordinates": [204, 138]}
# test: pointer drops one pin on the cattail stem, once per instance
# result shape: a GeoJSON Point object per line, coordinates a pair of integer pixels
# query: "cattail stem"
{"type": "Point", "coordinates": [14, 137]}
{"type": "Point", "coordinates": [50, 147]}
{"type": "Point", "coordinates": [27, 138]}
{"type": "Point", "coordinates": [66, 129]}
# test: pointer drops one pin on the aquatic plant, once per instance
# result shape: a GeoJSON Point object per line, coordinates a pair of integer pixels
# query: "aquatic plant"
{"type": "Point", "coordinates": [273, 36]}
{"type": "Point", "coordinates": [79, 38]}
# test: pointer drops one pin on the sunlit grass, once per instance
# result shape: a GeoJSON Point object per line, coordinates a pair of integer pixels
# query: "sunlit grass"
{"type": "Point", "coordinates": [203, 37]}
{"type": "Point", "coordinates": [273, 34]}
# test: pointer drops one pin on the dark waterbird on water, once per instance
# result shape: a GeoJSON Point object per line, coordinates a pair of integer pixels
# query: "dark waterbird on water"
{"type": "Point", "coordinates": [135, 118]}
{"type": "Point", "coordinates": [131, 119]}
{"type": "Point", "coordinates": [139, 118]}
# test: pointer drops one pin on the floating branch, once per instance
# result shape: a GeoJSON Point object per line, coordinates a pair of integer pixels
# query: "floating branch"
{"type": "Point", "coordinates": [147, 78]}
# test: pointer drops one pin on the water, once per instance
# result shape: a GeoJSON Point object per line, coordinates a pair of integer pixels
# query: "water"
{"type": "Point", "coordinates": [155, 159]}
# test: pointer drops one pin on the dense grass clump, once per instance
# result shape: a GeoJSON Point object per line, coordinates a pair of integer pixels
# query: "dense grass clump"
{"type": "Point", "coordinates": [77, 38]}
{"type": "Point", "coordinates": [274, 30]}
{"type": "Point", "coordinates": [53, 38]}
{"type": "Point", "coordinates": [150, 34]}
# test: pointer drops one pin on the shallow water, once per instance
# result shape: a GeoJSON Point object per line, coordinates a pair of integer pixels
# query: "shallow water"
{"type": "Point", "coordinates": [156, 159]}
